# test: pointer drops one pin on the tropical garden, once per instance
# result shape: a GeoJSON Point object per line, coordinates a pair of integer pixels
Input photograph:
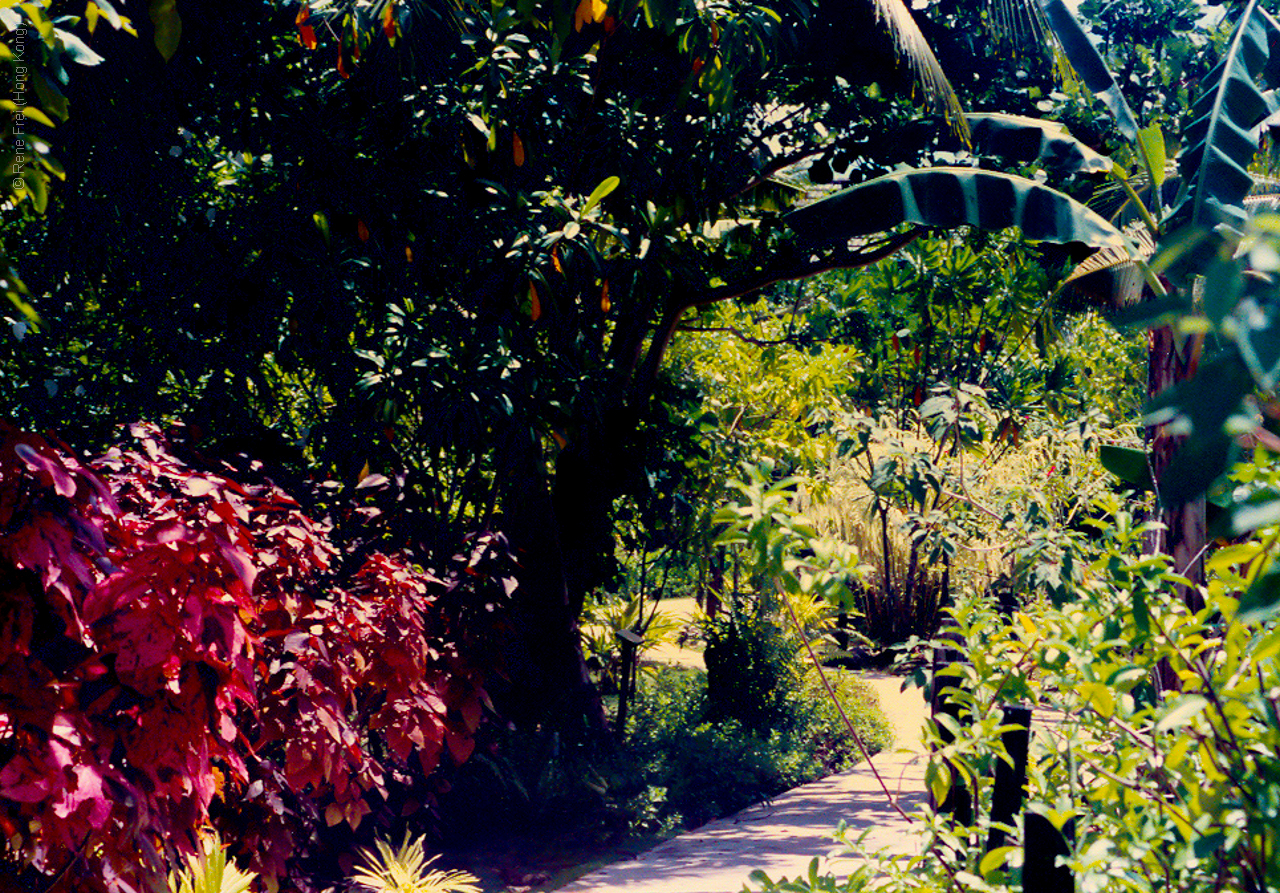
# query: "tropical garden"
{"type": "Point", "coordinates": [377, 374]}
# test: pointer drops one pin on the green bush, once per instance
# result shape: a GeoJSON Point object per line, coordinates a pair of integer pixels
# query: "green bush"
{"type": "Point", "coordinates": [711, 766]}
{"type": "Point", "coordinates": [753, 675]}
{"type": "Point", "coordinates": [1159, 736]}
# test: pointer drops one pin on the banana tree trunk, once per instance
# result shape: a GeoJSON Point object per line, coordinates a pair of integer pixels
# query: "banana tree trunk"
{"type": "Point", "coordinates": [1170, 360]}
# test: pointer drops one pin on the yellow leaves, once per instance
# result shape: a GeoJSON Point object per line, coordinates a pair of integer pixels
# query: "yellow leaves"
{"type": "Point", "coordinates": [1099, 697]}
{"type": "Point", "coordinates": [588, 12]}
{"type": "Point", "coordinates": [1028, 626]}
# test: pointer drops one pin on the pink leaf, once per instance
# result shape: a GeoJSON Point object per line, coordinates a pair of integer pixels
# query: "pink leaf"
{"type": "Point", "coordinates": [62, 482]}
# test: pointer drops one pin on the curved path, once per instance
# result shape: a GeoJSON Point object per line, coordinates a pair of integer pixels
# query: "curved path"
{"type": "Point", "coordinates": [781, 836]}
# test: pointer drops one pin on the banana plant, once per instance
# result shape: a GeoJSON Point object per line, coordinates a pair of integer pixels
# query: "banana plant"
{"type": "Point", "coordinates": [1204, 237]}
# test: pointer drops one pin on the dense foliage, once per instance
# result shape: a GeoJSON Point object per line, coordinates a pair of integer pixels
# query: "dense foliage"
{"type": "Point", "coordinates": [181, 648]}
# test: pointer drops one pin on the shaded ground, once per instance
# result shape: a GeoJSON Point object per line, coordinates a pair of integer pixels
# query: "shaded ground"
{"type": "Point", "coordinates": [779, 836]}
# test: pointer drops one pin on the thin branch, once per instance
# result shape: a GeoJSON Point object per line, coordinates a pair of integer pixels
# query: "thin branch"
{"type": "Point", "coordinates": [853, 733]}
{"type": "Point", "coordinates": [742, 336]}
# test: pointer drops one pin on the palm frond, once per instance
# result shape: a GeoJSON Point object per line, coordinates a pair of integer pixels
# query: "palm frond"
{"type": "Point", "coordinates": [210, 871]}
{"type": "Point", "coordinates": [912, 47]}
{"type": "Point", "coordinates": [1021, 22]}
{"type": "Point", "coordinates": [406, 869]}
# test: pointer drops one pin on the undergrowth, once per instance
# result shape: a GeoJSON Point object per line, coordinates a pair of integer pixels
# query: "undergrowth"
{"type": "Point", "coordinates": [679, 765]}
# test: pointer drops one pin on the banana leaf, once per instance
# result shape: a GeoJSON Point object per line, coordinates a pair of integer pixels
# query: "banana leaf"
{"type": "Point", "coordinates": [949, 197]}
{"type": "Point", "coordinates": [1018, 138]}
{"type": "Point", "coordinates": [1223, 139]}
{"type": "Point", "coordinates": [1089, 64]}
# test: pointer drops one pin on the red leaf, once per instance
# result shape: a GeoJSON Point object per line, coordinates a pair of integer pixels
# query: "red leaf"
{"type": "Point", "coordinates": [389, 20]}
{"type": "Point", "coordinates": [63, 484]}
{"type": "Point", "coordinates": [197, 486]}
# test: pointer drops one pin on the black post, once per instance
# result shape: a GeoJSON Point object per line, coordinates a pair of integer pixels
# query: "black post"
{"type": "Point", "coordinates": [1042, 844]}
{"type": "Point", "coordinates": [1006, 794]}
{"type": "Point", "coordinates": [630, 642]}
{"type": "Point", "coordinates": [959, 802]}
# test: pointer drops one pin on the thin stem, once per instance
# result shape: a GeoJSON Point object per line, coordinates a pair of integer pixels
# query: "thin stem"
{"type": "Point", "coordinates": [853, 733]}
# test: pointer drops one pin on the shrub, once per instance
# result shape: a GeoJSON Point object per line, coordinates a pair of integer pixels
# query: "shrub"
{"type": "Point", "coordinates": [1164, 739]}
{"type": "Point", "coordinates": [177, 648]}
{"type": "Point", "coordinates": [710, 766]}
{"type": "Point", "coordinates": [753, 672]}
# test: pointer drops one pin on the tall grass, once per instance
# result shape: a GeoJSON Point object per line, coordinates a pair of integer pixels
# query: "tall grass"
{"type": "Point", "coordinates": [907, 586]}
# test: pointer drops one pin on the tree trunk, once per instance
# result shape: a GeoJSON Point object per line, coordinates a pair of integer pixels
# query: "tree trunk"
{"type": "Point", "coordinates": [546, 676]}
{"type": "Point", "coordinates": [1168, 363]}
{"type": "Point", "coordinates": [1184, 535]}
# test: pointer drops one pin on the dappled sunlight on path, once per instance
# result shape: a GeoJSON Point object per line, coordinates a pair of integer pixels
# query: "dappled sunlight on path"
{"type": "Point", "coordinates": [781, 836]}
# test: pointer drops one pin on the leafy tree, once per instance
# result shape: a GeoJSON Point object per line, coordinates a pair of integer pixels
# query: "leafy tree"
{"type": "Point", "coordinates": [467, 278]}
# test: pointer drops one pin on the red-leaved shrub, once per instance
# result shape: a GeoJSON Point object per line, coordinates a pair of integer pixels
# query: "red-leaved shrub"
{"type": "Point", "coordinates": [179, 649]}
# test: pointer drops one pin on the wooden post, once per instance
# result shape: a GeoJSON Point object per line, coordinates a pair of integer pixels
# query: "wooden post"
{"type": "Point", "coordinates": [630, 641]}
{"type": "Point", "coordinates": [959, 801]}
{"type": "Point", "coordinates": [1006, 793]}
{"type": "Point", "coordinates": [1042, 844]}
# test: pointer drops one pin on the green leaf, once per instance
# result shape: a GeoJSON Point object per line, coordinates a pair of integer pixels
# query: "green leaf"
{"type": "Point", "coordinates": [321, 221]}
{"type": "Point", "coordinates": [36, 187]}
{"type": "Point", "coordinates": [951, 197]}
{"type": "Point", "coordinates": [1018, 138]}
{"type": "Point", "coordinates": [1183, 710]}
{"type": "Point", "coordinates": [1203, 405]}
{"type": "Point", "coordinates": [1088, 64]}
{"type": "Point", "coordinates": [995, 860]}
{"type": "Point", "coordinates": [1223, 139]}
{"type": "Point", "coordinates": [77, 50]}
{"type": "Point", "coordinates": [1223, 285]}
{"type": "Point", "coordinates": [1262, 599]}
{"type": "Point", "coordinates": [1151, 145]}
{"type": "Point", "coordinates": [1151, 314]}
{"type": "Point", "coordinates": [1259, 509]}
{"type": "Point", "coordinates": [607, 185]}
{"type": "Point", "coordinates": [168, 26]}
{"type": "Point", "coordinates": [1128, 464]}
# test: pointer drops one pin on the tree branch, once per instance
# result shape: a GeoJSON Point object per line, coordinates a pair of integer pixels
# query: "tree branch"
{"type": "Point", "coordinates": [801, 262]}
{"type": "Point", "coordinates": [738, 333]}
